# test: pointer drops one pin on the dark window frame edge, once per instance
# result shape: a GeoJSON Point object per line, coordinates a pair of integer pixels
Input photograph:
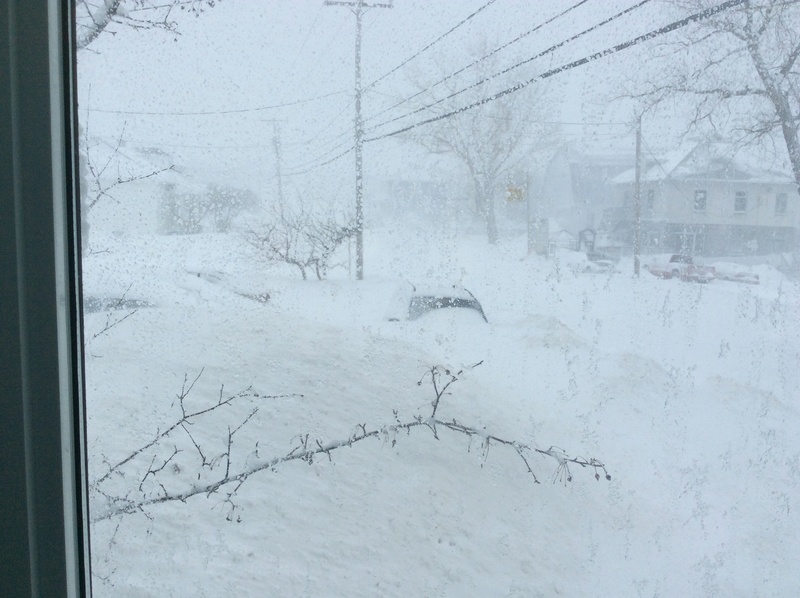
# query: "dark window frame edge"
{"type": "Point", "coordinates": [45, 507]}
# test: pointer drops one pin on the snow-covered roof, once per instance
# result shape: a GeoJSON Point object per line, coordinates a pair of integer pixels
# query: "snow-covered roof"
{"type": "Point", "coordinates": [132, 159]}
{"type": "Point", "coordinates": [711, 161]}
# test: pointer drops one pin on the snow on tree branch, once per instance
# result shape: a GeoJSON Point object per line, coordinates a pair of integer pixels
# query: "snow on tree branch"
{"type": "Point", "coordinates": [95, 16]}
{"type": "Point", "coordinates": [305, 448]}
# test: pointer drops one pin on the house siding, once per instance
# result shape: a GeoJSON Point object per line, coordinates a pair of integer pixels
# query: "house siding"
{"type": "Point", "coordinates": [673, 224]}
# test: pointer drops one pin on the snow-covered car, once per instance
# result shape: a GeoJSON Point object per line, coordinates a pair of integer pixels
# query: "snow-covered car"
{"type": "Point", "coordinates": [680, 266]}
{"type": "Point", "coordinates": [735, 273]}
{"type": "Point", "coordinates": [412, 302]}
{"type": "Point", "coordinates": [590, 262]}
{"type": "Point", "coordinates": [599, 262]}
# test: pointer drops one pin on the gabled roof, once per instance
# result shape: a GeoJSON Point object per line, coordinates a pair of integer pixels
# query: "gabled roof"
{"type": "Point", "coordinates": [710, 160]}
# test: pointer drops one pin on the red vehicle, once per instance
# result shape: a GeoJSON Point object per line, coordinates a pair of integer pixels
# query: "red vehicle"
{"type": "Point", "coordinates": [683, 267]}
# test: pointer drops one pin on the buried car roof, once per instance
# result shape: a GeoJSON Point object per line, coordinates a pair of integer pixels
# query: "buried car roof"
{"type": "Point", "coordinates": [412, 302]}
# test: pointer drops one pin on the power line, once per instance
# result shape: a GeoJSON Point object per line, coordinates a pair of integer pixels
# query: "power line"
{"type": "Point", "coordinates": [324, 128]}
{"type": "Point", "coordinates": [321, 164]}
{"type": "Point", "coordinates": [481, 59]}
{"type": "Point", "coordinates": [308, 72]}
{"type": "Point", "coordinates": [305, 40]}
{"type": "Point", "coordinates": [433, 43]}
{"type": "Point", "coordinates": [327, 152]}
{"type": "Point", "coordinates": [699, 16]}
{"type": "Point", "coordinates": [150, 144]}
{"type": "Point", "coordinates": [342, 154]}
{"type": "Point", "coordinates": [213, 112]}
{"type": "Point", "coordinates": [549, 50]}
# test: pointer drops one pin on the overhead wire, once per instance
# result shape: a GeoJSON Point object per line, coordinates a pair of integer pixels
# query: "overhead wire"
{"type": "Point", "coordinates": [561, 44]}
{"type": "Point", "coordinates": [321, 164]}
{"type": "Point", "coordinates": [699, 16]}
{"type": "Point", "coordinates": [433, 43]}
{"type": "Point", "coordinates": [257, 108]}
{"type": "Point", "coordinates": [479, 60]}
{"type": "Point", "coordinates": [215, 112]}
{"type": "Point", "coordinates": [352, 147]}
{"type": "Point", "coordinates": [305, 41]}
{"type": "Point", "coordinates": [505, 71]}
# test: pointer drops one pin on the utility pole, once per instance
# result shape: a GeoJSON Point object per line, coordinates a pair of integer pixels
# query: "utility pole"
{"type": "Point", "coordinates": [637, 201]}
{"type": "Point", "coordinates": [529, 210]}
{"type": "Point", "coordinates": [276, 144]}
{"type": "Point", "coordinates": [358, 7]}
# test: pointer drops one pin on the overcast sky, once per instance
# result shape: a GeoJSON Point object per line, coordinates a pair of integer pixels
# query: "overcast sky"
{"type": "Point", "coordinates": [244, 55]}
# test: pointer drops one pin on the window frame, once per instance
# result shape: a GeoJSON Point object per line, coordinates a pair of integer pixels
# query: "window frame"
{"type": "Point", "coordinates": [698, 193]}
{"type": "Point", "coordinates": [740, 195]}
{"type": "Point", "coordinates": [44, 532]}
{"type": "Point", "coordinates": [782, 202]}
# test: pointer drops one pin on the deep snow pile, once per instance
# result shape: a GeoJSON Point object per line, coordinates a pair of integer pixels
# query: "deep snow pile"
{"type": "Point", "coordinates": [689, 394]}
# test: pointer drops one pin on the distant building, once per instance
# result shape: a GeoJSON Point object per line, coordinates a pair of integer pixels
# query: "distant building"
{"type": "Point", "coordinates": [707, 198]}
{"type": "Point", "coordinates": [141, 190]}
{"type": "Point", "coordinates": [576, 188]}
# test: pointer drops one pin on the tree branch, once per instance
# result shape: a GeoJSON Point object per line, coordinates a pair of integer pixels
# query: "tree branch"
{"type": "Point", "coordinates": [306, 449]}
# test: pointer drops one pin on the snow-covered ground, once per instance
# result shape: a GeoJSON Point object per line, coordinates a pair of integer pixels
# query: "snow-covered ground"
{"type": "Point", "coordinates": [687, 393]}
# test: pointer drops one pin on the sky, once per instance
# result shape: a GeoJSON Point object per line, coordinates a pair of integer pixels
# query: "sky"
{"type": "Point", "coordinates": [211, 91]}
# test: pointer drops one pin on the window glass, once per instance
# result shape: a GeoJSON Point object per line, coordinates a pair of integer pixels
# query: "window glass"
{"type": "Point", "coordinates": [780, 203]}
{"type": "Point", "coordinates": [700, 200]}
{"type": "Point", "coordinates": [373, 305]}
{"type": "Point", "coordinates": [740, 201]}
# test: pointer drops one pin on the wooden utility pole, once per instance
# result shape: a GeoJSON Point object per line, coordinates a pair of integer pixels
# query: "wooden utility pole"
{"type": "Point", "coordinates": [637, 201]}
{"type": "Point", "coordinates": [358, 7]}
{"type": "Point", "coordinates": [276, 144]}
{"type": "Point", "coordinates": [529, 209]}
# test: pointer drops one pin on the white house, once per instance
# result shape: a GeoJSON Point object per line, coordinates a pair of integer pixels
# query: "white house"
{"type": "Point", "coordinates": [708, 198]}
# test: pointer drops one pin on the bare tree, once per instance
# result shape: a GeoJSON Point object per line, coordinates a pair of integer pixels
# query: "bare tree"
{"type": "Point", "coordinates": [739, 69]}
{"type": "Point", "coordinates": [109, 169]}
{"type": "Point", "coordinates": [222, 466]}
{"type": "Point", "coordinates": [225, 202]}
{"type": "Point", "coordinates": [97, 16]}
{"type": "Point", "coordinates": [94, 17]}
{"type": "Point", "coordinates": [490, 140]}
{"type": "Point", "coordinates": [302, 238]}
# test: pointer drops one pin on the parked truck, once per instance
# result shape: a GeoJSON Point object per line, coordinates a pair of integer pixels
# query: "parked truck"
{"type": "Point", "coordinates": [680, 266]}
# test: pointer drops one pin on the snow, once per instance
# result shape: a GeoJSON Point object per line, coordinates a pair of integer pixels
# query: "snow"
{"type": "Point", "coordinates": [688, 393]}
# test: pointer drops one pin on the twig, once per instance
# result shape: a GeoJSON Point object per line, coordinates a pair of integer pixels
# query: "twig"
{"type": "Point", "coordinates": [306, 449]}
{"type": "Point", "coordinates": [186, 418]}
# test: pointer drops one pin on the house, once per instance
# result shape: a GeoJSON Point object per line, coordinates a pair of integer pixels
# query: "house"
{"type": "Point", "coordinates": [141, 189]}
{"type": "Point", "coordinates": [576, 187]}
{"type": "Point", "coordinates": [707, 198]}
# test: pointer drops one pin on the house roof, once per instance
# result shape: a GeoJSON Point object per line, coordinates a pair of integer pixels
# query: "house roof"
{"type": "Point", "coordinates": [132, 159]}
{"type": "Point", "coordinates": [711, 160]}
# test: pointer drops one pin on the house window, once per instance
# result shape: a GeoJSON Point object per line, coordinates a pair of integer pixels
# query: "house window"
{"type": "Point", "coordinates": [700, 197]}
{"type": "Point", "coordinates": [780, 203]}
{"type": "Point", "coordinates": [740, 202]}
{"type": "Point", "coordinates": [651, 199]}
